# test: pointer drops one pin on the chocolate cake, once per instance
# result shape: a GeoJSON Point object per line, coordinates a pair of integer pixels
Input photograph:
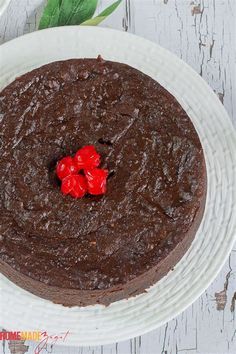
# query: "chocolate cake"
{"type": "Point", "coordinates": [97, 249]}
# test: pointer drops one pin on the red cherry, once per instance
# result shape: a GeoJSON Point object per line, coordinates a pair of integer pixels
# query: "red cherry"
{"type": "Point", "coordinates": [80, 187]}
{"type": "Point", "coordinates": [96, 179]}
{"type": "Point", "coordinates": [66, 167]}
{"type": "Point", "coordinates": [67, 184]}
{"type": "Point", "coordinates": [87, 158]}
{"type": "Point", "coordinates": [75, 185]}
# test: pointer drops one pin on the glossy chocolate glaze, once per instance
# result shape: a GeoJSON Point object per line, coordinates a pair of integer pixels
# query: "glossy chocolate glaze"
{"type": "Point", "coordinates": [96, 249]}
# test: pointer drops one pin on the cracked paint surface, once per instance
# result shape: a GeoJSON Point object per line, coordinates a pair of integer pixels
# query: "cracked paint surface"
{"type": "Point", "coordinates": [221, 297]}
{"type": "Point", "coordinates": [18, 347]}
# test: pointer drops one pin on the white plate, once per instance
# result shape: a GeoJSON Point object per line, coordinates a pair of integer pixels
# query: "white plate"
{"type": "Point", "coordinates": [127, 318]}
{"type": "Point", "coordinates": [3, 5]}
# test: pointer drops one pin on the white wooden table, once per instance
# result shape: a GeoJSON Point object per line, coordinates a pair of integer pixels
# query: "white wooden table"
{"type": "Point", "coordinates": [202, 33]}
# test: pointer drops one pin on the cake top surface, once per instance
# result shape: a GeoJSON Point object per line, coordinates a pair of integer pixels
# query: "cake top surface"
{"type": "Point", "coordinates": [146, 141]}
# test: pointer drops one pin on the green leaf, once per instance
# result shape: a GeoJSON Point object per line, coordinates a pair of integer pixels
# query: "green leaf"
{"type": "Point", "coordinates": [74, 12]}
{"type": "Point", "coordinates": [96, 20]}
{"type": "Point", "coordinates": [50, 15]}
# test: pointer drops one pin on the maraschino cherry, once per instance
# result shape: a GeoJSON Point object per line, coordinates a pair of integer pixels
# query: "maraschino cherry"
{"type": "Point", "coordinates": [80, 174]}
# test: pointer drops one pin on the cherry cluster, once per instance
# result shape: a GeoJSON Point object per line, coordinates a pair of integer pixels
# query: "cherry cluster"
{"type": "Point", "coordinates": [80, 174]}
